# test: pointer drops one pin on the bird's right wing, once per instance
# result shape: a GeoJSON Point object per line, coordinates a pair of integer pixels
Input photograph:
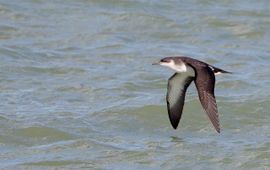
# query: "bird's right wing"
{"type": "Point", "coordinates": [205, 83]}
{"type": "Point", "coordinates": [176, 92]}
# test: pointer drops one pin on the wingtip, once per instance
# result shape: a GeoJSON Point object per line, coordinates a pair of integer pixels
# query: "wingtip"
{"type": "Point", "coordinates": [174, 124]}
{"type": "Point", "coordinates": [218, 130]}
{"type": "Point", "coordinates": [174, 127]}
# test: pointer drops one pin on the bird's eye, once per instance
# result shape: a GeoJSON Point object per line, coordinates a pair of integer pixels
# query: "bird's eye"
{"type": "Point", "coordinates": [165, 60]}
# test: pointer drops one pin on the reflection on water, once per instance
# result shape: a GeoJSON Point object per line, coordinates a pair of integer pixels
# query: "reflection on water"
{"type": "Point", "coordinates": [176, 139]}
{"type": "Point", "coordinates": [77, 88]}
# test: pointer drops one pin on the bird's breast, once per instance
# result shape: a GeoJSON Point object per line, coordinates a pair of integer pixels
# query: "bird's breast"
{"type": "Point", "coordinates": [184, 69]}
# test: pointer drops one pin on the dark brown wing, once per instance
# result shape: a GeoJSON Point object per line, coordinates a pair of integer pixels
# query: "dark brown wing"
{"type": "Point", "coordinates": [176, 92]}
{"type": "Point", "coordinates": [205, 83]}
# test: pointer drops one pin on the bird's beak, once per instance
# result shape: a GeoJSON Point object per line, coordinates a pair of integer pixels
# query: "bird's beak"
{"type": "Point", "coordinates": [157, 63]}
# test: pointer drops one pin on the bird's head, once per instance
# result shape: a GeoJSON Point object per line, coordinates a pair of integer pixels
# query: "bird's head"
{"type": "Point", "coordinates": [168, 62]}
{"type": "Point", "coordinates": [174, 63]}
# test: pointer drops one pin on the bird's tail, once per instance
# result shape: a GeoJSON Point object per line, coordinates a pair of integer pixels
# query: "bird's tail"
{"type": "Point", "coordinates": [219, 71]}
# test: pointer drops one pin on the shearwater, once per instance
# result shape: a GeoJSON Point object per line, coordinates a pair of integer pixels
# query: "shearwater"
{"type": "Point", "coordinates": [187, 70]}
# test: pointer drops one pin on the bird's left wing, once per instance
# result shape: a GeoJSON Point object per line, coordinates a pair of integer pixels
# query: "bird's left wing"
{"type": "Point", "coordinates": [176, 91]}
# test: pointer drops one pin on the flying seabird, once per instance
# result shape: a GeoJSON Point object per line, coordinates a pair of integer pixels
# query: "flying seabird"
{"type": "Point", "coordinates": [188, 70]}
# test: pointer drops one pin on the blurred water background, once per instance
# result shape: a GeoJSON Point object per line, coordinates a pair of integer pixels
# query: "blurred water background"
{"type": "Point", "coordinates": [77, 88]}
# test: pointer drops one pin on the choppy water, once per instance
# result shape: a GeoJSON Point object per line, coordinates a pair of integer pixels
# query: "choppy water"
{"type": "Point", "coordinates": [77, 88]}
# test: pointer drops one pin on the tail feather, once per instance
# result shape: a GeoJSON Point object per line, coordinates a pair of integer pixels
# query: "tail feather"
{"type": "Point", "coordinates": [219, 71]}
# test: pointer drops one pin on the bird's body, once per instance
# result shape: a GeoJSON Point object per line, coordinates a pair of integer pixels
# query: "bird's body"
{"type": "Point", "coordinates": [188, 70]}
